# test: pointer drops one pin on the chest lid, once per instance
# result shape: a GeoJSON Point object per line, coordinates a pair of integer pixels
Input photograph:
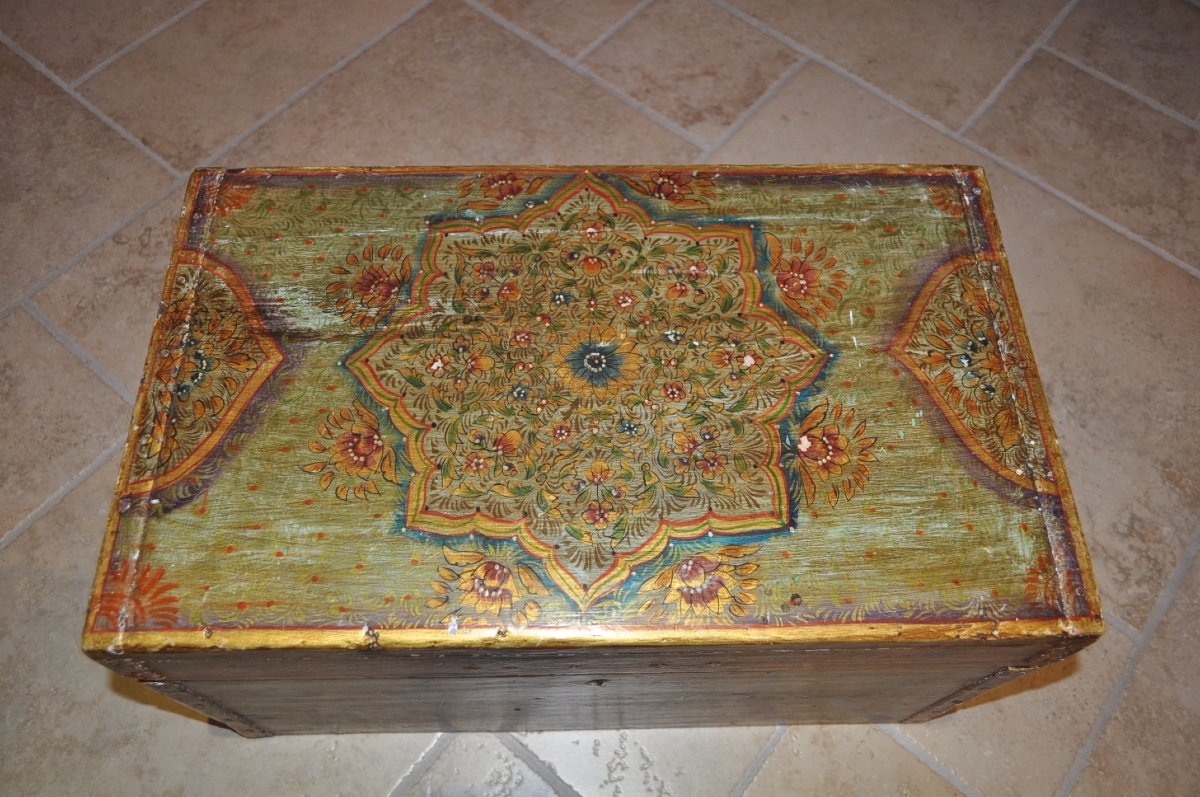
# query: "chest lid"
{"type": "Point", "coordinates": [516, 407]}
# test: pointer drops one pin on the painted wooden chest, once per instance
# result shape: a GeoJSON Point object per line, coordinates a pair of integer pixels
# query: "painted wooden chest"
{"type": "Point", "coordinates": [612, 447]}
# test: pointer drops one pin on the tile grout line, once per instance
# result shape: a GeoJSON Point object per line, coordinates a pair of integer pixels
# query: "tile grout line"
{"type": "Point", "coordinates": [1025, 58]}
{"type": "Point", "coordinates": [1161, 607]}
{"type": "Point", "coordinates": [612, 31]}
{"type": "Point", "coordinates": [540, 768]}
{"type": "Point", "coordinates": [10, 536]}
{"type": "Point", "coordinates": [78, 350]}
{"type": "Point", "coordinates": [772, 91]}
{"type": "Point", "coordinates": [133, 45]}
{"type": "Point", "coordinates": [920, 752]}
{"type": "Point", "coordinates": [129, 137]}
{"type": "Point", "coordinates": [1117, 622]}
{"type": "Point", "coordinates": [920, 116]}
{"type": "Point", "coordinates": [756, 765]}
{"type": "Point", "coordinates": [581, 70]}
{"type": "Point", "coordinates": [423, 763]}
{"type": "Point", "coordinates": [1119, 86]}
{"type": "Point", "coordinates": [312, 84]}
{"type": "Point", "coordinates": [58, 271]}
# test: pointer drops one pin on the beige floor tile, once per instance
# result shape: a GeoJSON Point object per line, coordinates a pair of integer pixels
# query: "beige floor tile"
{"type": "Point", "coordinates": [67, 176]}
{"type": "Point", "coordinates": [83, 730]}
{"type": "Point", "coordinates": [941, 58]}
{"type": "Point", "coordinates": [1098, 144]}
{"type": "Point", "coordinates": [60, 414]}
{"type": "Point", "coordinates": [1149, 746]}
{"type": "Point", "coordinates": [72, 36]}
{"type": "Point", "coordinates": [650, 762]}
{"type": "Point", "coordinates": [457, 69]}
{"type": "Point", "coordinates": [821, 117]}
{"type": "Point", "coordinates": [108, 300]}
{"type": "Point", "coordinates": [567, 25]}
{"type": "Point", "coordinates": [1040, 720]}
{"type": "Point", "coordinates": [476, 763]}
{"type": "Point", "coordinates": [191, 89]}
{"type": "Point", "coordinates": [1103, 350]}
{"type": "Point", "coordinates": [1152, 46]}
{"type": "Point", "coordinates": [1114, 329]}
{"type": "Point", "coordinates": [848, 761]}
{"type": "Point", "coordinates": [697, 65]}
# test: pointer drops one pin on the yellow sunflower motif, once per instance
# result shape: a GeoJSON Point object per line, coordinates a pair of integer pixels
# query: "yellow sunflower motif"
{"type": "Point", "coordinates": [485, 589]}
{"type": "Point", "coordinates": [599, 363]}
{"type": "Point", "coordinates": [704, 586]}
{"type": "Point", "coordinates": [355, 452]}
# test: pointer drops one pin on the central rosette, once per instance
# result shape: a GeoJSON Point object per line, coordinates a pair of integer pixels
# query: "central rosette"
{"type": "Point", "coordinates": [591, 383]}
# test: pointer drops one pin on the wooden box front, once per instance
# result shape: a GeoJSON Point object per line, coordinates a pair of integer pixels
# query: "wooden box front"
{"type": "Point", "coordinates": [432, 412]}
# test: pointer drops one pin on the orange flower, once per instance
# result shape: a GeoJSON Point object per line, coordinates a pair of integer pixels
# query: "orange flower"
{"type": "Point", "coordinates": [599, 514]}
{"type": "Point", "coordinates": [502, 186]}
{"type": "Point", "coordinates": [686, 443]}
{"type": "Point", "coordinates": [477, 463]}
{"type": "Point", "coordinates": [372, 280]}
{"type": "Point", "coordinates": [509, 291]}
{"type": "Point", "coordinates": [807, 277]}
{"type": "Point", "coordinates": [136, 596]}
{"type": "Point", "coordinates": [507, 444]}
{"type": "Point", "coordinates": [711, 465]}
{"type": "Point", "coordinates": [592, 265]}
{"type": "Point", "coordinates": [598, 473]}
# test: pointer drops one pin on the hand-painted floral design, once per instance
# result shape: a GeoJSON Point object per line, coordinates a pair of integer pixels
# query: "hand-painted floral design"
{"type": "Point", "coordinates": [490, 191]}
{"type": "Point", "coordinates": [136, 597]}
{"type": "Point", "coordinates": [233, 196]}
{"type": "Point", "coordinates": [370, 284]}
{"type": "Point", "coordinates": [704, 586]}
{"type": "Point", "coordinates": [681, 189]}
{"type": "Point", "coordinates": [828, 452]}
{"type": "Point", "coordinates": [211, 354]}
{"type": "Point", "coordinates": [582, 320]}
{"type": "Point", "coordinates": [947, 198]}
{"type": "Point", "coordinates": [355, 453]}
{"type": "Point", "coordinates": [951, 343]}
{"type": "Point", "coordinates": [807, 277]}
{"type": "Point", "coordinates": [1039, 581]}
{"type": "Point", "coordinates": [479, 590]}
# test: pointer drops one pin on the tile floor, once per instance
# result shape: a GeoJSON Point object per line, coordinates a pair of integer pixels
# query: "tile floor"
{"type": "Point", "coordinates": [1085, 114]}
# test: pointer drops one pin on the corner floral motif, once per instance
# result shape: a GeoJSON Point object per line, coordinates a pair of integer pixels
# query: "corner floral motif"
{"type": "Point", "coordinates": [828, 452]}
{"type": "Point", "coordinates": [369, 285]}
{"type": "Point", "coordinates": [211, 355]}
{"type": "Point", "coordinates": [957, 341]}
{"type": "Point", "coordinates": [591, 382]}
{"type": "Point", "coordinates": [704, 586]}
{"type": "Point", "coordinates": [681, 189]}
{"type": "Point", "coordinates": [355, 454]}
{"type": "Point", "coordinates": [807, 276]}
{"type": "Point", "coordinates": [480, 590]}
{"type": "Point", "coordinates": [946, 198]}
{"type": "Point", "coordinates": [136, 596]}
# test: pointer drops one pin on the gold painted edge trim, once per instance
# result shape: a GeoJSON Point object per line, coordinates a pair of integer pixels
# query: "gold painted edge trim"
{"type": "Point", "coordinates": [487, 637]}
{"type": "Point", "coordinates": [1058, 466]}
{"type": "Point", "coordinates": [922, 170]}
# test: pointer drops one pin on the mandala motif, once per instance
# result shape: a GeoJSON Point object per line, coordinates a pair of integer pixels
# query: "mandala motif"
{"type": "Point", "coordinates": [950, 342]}
{"type": "Point", "coordinates": [590, 382]}
{"type": "Point", "coordinates": [211, 354]}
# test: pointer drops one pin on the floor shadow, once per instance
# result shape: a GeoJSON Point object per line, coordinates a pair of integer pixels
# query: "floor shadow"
{"type": "Point", "coordinates": [1045, 676]}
